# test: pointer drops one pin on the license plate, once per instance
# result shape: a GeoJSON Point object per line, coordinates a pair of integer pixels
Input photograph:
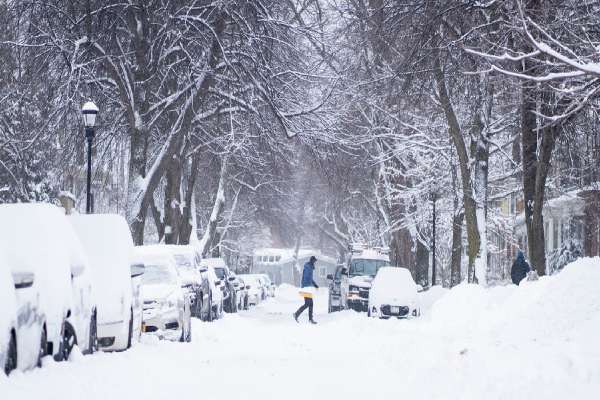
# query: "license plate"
{"type": "Point", "coordinates": [395, 310]}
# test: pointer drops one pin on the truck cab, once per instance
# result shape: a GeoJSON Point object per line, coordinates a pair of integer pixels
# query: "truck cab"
{"type": "Point", "coordinates": [362, 268]}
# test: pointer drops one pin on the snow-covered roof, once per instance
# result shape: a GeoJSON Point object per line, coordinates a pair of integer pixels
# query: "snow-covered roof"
{"type": "Point", "coordinates": [287, 255]}
{"type": "Point", "coordinates": [213, 262]}
{"type": "Point", "coordinates": [371, 254]}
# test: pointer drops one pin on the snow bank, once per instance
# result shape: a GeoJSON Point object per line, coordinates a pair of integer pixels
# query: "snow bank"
{"type": "Point", "coordinates": [535, 341]}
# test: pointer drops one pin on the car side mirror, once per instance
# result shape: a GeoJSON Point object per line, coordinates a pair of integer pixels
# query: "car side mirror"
{"type": "Point", "coordinates": [218, 283]}
{"type": "Point", "coordinates": [329, 277]}
{"type": "Point", "coordinates": [248, 286]}
{"type": "Point", "coordinates": [77, 270]}
{"type": "Point", "coordinates": [137, 270]}
{"type": "Point", "coordinates": [23, 280]}
{"type": "Point", "coordinates": [202, 270]}
{"type": "Point", "coordinates": [231, 278]}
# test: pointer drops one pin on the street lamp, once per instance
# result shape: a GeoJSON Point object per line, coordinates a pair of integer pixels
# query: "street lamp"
{"type": "Point", "coordinates": [434, 197]}
{"type": "Point", "coordinates": [89, 111]}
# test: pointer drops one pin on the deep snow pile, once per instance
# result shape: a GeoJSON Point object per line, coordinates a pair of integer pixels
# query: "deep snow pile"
{"type": "Point", "coordinates": [536, 341]}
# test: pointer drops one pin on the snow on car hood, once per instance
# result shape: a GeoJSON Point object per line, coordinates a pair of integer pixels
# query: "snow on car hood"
{"type": "Point", "coordinates": [158, 292]}
{"type": "Point", "coordinates": [393, 286]}
{"type": "Point", "coordinates": [363, 281]}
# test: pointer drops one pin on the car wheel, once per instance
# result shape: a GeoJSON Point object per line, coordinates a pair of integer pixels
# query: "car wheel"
{"type": "Point", "coordinates": [11, 355]}
{"type": "Point", "coordinates": [130, 333]}
{"type": "Point", "coordinates": [69, 340]}
{"type": "Point", "coordinates": [43, 351]}
{"type": "Point", "coordinates": [93, 341]}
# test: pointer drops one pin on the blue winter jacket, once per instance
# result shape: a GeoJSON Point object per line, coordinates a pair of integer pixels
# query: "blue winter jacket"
{"type": "Point", "coordinates": [307, 275]}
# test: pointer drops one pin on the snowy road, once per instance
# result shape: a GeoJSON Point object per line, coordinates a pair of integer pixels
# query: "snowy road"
{"type": "Point", "coordinates": [264, 354]}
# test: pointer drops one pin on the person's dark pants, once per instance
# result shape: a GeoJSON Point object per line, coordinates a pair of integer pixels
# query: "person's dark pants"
{"type": "Point", "coordinates": [308, 303]}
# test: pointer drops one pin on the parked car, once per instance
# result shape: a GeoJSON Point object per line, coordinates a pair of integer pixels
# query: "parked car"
{"type": "Point", "coordinates": [393, 294]}
{"type": "Point", "coordinates": [167, 312]}
{"type": "Point", "coordinates": [229, 291]}
{"type": "Point", "coordinates": [216, 288]}
{"type": "Point", "coordinates": [8, 319]}
{"type": "Point", "coordinates": [253, 287]}
{"type": "Point", "coordinates": [363, 267]}
{"type": "Point", "coordinates": [241, 293]}
{"type": "Point", "coordinates": [187, 261]}
{"type": "Point", "coordinates": [55, 312]}
{"type": "Point", "coordinates": [268, 284]}
{"type": "Point", "coordinates": [338, 289]}
{"type": "Point", "coordinates": [107, 241]}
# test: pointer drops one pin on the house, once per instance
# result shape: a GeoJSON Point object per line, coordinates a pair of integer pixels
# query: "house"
{"type": "Point", "coordinates": [281, 266]}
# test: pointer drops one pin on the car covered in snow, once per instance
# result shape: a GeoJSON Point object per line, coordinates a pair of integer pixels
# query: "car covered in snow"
{"type": "Point", "coordinates": [108, 244]}
{"type": "Point", "coordinates": [363, 267]}
{"type": "Point", "coordinates": [338, 289]}
{"type": "Point", "coordinates": [167, 312]}
{"type": "Point", "coordinates": [227, 285]}
{"type": "Point", "coordinates": [270, 287]}
{"type": "Point", "coordinates": [8, 318]}
{"type": "Point", "coordinates": [216, 300]}
{"type": "Point", "coordinates": [253, 287]}
{"type": "Point", "coordinates": [56, 311]}
{"type": "Point", "coordinates": [242, 293]}
{"type": "Point", "coordinates": [187, 261]}
{"type": "Point", "coordinates": [393, 294]}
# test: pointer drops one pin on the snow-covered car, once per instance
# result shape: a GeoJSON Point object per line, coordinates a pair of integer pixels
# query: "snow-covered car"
{"type": "Point", "coordinates": [241, 294]}
{"type": "Point", "coordinates": [227, 285]}
{"type": "Point", "coordinates": [8, 319]}
{"type": "Point", "coordinates": [362, 269]}
{"type": "Point", "coordinates": [55, 313]}
{"type": "Point", "coordinates": [253, 287]}
{"type": "Point", "coordinates": [393, 294]}
{"type": "Point", "coordinates": [338, 289]}
{"type": "Point", "coordinates": [107, 241]}
{"type": "Point", "coordinates": [187, 261]}
{"type": "Point", "coordinates": [167, 312]}
{"type": "Point", "coordinates": [216, 299]}
{"type": "Point", "coordinates": [268, 285]}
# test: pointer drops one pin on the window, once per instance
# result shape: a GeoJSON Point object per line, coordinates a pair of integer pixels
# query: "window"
{"type": "Point", "coordinates": [271, 258]}
{"type": "Point", "coordinates": [278, 258]}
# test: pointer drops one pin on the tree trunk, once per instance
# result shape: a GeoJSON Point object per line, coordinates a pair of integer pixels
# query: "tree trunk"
{"type": "Point", "coordinates": [187, 219]}
{"type": "Point", "coordinates": [473, 238]}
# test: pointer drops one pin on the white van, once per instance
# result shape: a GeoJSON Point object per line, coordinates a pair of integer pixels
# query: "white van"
{"type": "Point", "coordinates": [109, 246]}
{"type": "Point", "coordinates": [56, 310]}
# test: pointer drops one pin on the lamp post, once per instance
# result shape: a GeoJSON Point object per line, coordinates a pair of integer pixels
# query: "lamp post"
{"type": "Point", "coordinates": [89, 111]}
{"type": "Point", "coordinates": [434, 197]}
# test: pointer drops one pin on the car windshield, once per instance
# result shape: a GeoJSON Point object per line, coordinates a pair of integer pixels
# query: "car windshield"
{"type": "Point", "coordinates": [366, 267]}
{"type": "Point", "coordinates": [157, 274]}
{"type": "Point", "coordinates": [220, 273]}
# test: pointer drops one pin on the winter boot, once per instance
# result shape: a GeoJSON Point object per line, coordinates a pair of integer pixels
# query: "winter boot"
{"type": "Point", "coordinates": [296, 317]}
{"type": "Point", "coordinates": [312, 321]}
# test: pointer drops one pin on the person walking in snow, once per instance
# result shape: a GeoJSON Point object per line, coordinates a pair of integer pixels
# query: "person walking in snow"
{"type": "Point", "coordinates": [307, 290]}
{"type": "Point", "coordinates": [519, 269]}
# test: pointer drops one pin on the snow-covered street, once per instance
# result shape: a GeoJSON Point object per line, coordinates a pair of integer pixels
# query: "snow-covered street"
{"type": "Point", "coordinates": [536, 341]}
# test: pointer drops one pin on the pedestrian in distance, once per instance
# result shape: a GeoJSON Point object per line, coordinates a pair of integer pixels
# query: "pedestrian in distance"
{"type": "Point", "coordinates": [519, 269]}
{"type": "Point", "coordinates": [307, 290]}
